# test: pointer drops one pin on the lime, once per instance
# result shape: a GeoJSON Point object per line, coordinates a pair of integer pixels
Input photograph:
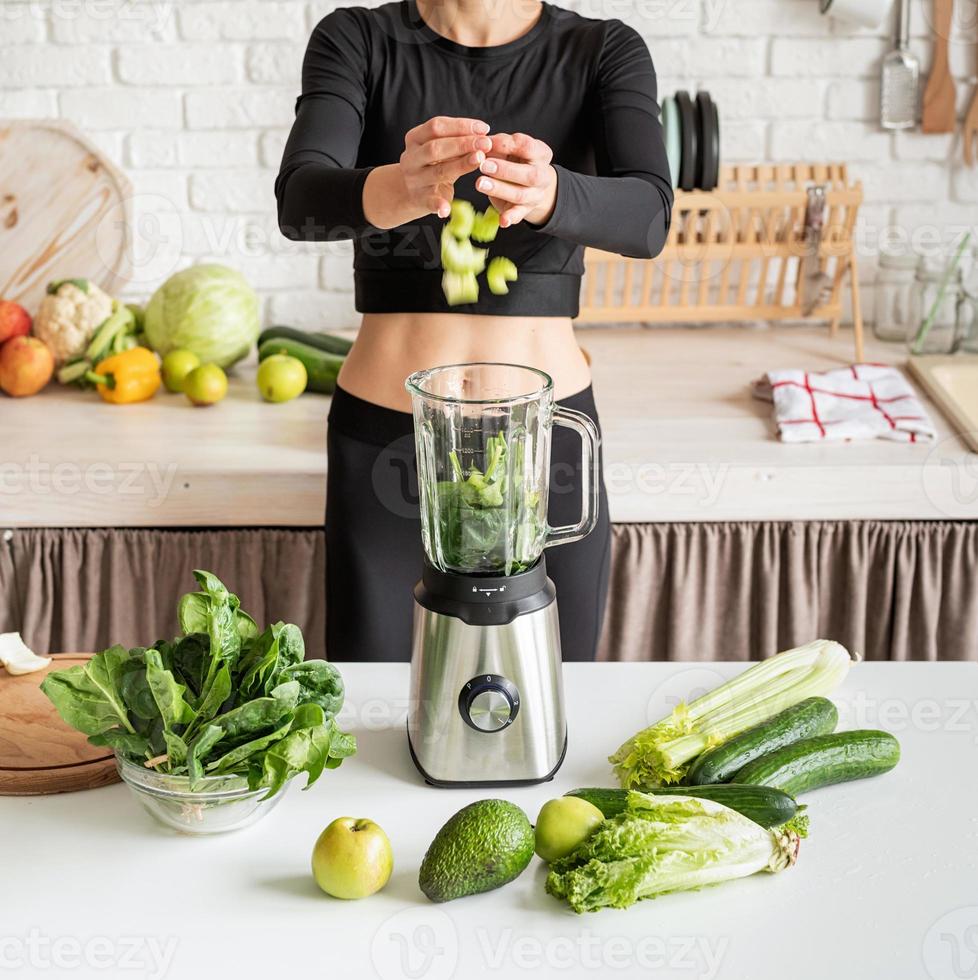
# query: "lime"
{"type": "Point", "coordinates": [206, 385]}
{"type": "Point", "coordinates": [281, 378]}
{"type": "Point", "coordinates": [563, 824]}
{"type": "Point", "coordinates": [176, 366]}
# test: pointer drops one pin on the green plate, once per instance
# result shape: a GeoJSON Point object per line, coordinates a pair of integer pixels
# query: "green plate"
{"type": "Point", "coordinates": [672, 136]}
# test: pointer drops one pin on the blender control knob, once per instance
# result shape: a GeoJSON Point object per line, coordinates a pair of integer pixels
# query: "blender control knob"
{"type": "Point", "coordinates": [489, 702]}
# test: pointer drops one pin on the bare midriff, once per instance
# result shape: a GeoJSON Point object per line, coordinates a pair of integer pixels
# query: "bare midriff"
{"type": "Point", "coordinates": [390, 346]}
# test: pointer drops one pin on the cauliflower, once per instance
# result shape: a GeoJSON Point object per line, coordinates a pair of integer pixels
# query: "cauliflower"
{"type": "Point", "coordinates": [69, 316]}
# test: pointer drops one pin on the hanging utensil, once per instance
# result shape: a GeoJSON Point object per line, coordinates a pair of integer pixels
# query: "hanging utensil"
{"type": "Point", "coordinates": [939, 106]}
{"type": "Point", "coordinates": [969, 131]}
{"type": "Point", "coordinates": [900, 78]}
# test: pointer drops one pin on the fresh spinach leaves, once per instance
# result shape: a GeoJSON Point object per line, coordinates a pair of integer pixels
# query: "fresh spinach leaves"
{"type": "Point", "coordinates": [225, 698]}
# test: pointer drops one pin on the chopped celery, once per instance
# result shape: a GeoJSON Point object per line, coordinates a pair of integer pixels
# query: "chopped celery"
{"type": "Point", "coordinates": [485, 225]}
{"type": "Point", "coordinates": [501, 271]}
{"type": "Point", "coordinates": [661, 754]}
{"type": "Point", "coordinates": [460, 255]}
{"type": "Point", "coordinates": [460, 287]}
{"type": "Point", "coordinates": [461, 218]}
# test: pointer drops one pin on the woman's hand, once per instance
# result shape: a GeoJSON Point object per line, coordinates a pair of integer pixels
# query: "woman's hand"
{"type": "Point", "coordinates": [436, 154]}
{"type": "Point", "coordinates": [519, 179]}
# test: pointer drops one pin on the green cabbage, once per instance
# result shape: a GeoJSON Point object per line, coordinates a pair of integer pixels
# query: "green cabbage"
{"type": "Point", "coordinates": [664, 844]}
{"type": "Point", "coordinates": [208, 309]}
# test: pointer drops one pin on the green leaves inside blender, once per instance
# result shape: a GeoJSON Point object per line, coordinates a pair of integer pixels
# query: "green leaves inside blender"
{"type": "Point", "coordinates": [487, 520]}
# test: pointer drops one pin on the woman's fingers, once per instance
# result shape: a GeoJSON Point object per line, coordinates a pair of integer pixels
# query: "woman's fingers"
{"type": "Point", "coordinates": [441, 126]}
{"type": "Point", "coordinates": [504, 190]}
{"type": "Point", "coordinates": [520, 146]}
{"type": "Point", "coordinates": [512, 216]}
{"type": "Point", "coordinates": [439, 150]}
{"type": "Point", "coordinates": [527, 174]}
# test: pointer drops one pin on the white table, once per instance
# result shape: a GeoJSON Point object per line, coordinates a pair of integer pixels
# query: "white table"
{"type": "Point", "coordinates": [886, 887]}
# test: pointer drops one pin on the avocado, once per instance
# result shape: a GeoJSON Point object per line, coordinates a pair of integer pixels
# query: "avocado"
{"type": "Point", "coordinates": [485, 845]}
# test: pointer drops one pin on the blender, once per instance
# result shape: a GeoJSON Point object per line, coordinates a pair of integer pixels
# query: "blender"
{"type": "Point", "coordinates": [486, 706]}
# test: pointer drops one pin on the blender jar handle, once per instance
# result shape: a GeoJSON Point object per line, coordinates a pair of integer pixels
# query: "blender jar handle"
{"type": "Point", "coordinates": [588, 431]}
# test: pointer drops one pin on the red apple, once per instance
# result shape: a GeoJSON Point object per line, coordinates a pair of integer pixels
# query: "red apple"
{"type": "Point", "coordinates": [15, 321]}
{"type": "Point", "coordinates": [352, 858]}
{"type": "Point", "coordinates": [26, 366]}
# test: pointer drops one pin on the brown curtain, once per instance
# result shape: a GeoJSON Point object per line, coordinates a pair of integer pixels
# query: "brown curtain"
{"type": "Point", "coordinates": [889, 590]}
{"type": "Point", "coordinates": [82, 589]}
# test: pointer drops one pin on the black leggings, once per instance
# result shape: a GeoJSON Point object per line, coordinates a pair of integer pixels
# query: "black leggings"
{"type": "Point", "coordinates": [373, 535]}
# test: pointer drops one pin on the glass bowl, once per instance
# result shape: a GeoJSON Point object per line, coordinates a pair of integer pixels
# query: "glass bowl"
{"type": "Point", "coordinates": [220, 804]}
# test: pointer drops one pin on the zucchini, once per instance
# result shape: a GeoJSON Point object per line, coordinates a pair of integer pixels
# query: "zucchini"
{"type": "Point", "coordinates": [764, 805]}
{"type": "Point", "coordinates": [322, 367]}
{"type": "Point", "coordinates": [323, 341]}
{"type": "Point", "coordinates": [823, 760]}
{"type": "Point", "coordinates": [813, 716]}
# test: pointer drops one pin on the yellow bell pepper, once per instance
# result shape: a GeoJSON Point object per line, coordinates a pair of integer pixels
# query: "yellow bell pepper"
{"type": "Point", "coordinates": [132, 376]}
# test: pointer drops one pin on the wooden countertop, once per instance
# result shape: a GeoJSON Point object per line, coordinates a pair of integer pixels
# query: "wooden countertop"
{"type": "Point", "coordinates": [683, 439]}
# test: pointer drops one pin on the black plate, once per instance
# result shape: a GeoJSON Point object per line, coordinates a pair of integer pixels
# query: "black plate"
{"type": "Point", "coordinates": [687, 124]}
{"type": "Point", "coordinates": [715, 140]}
{"type": "Point", "coordinates": [706, 163]}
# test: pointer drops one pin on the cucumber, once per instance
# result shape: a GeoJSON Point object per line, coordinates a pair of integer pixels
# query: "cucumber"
{"type": "Point", "coordinates": [813, 716]}
{"type": "Point", "coordinates": [324, 341]}
{"type": "Point", "coordinates": [767, 807]}
{"type": "Point", "coordinates": [823, 760]}
{"type": "Point", "coordinates": [322, 367]}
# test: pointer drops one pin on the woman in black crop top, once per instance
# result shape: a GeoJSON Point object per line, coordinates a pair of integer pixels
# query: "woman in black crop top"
{"type": "Point", "coordinates": [553, 118]}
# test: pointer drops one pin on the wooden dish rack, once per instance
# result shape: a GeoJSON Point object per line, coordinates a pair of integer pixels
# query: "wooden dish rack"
{"type": "Point", "coordinates": [735, 253]}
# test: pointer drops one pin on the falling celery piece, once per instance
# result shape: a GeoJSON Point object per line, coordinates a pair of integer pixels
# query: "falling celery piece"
{"type": "Point", "coordinates": [486, 225]}
{"type": "Point", "coordinates": [500, 272]}
{"type": "Point", "coordinates": [461, 218]}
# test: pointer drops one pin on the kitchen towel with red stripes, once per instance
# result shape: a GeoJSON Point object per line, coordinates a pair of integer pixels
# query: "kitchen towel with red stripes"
{"type": "Point", "coordinates": [862, 401]}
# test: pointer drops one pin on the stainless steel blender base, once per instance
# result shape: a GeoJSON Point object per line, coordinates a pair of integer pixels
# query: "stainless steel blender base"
{"type": "Point", "coordinates": [487, 704]}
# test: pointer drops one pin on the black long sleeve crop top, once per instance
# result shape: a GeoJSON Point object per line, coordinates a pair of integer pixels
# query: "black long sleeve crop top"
{"type": "Point", "coordinates": [585, 87]}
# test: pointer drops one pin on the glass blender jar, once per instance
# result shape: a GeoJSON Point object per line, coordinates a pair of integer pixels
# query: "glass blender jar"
{"type": "Point", "coordinates": [486, 703]}
{"type": "Point", "coordinates": [482, 434]}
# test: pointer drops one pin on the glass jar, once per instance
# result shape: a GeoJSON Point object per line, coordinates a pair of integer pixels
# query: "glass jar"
{"type": "Point", "coordinates": [939, 311]}
{"type": "Point", "coordinates": [969, 340]}
{"type": "Point", "coordinates": [894, 294]}
{"type": "Point", "coordinates": [483, 434]}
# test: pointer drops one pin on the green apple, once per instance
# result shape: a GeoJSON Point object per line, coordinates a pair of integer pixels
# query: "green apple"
{"type": "Point", "coordinates": [281, 378]}
{"type": "Point", "coordinates": [205, 385]}
{"type": "Point", "coordinates": [563, 824]}
{"type": "Point", "coordinates": [352, 858]}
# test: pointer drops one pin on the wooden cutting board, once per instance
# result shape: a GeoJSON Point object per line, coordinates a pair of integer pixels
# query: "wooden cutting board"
{"type": "Point", "coordinates": [65, 211]}
{"type": "Point", "coordinates": [39, 753]}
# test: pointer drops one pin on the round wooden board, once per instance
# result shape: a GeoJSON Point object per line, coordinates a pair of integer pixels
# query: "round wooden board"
{"type": "Point", "coordinates": [39, 753]}
{"type": "Point", "coordinates": [65, 211]}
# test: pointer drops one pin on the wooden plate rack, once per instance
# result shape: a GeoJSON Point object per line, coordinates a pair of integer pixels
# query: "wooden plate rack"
{"type": "Point", "coordinates": [736, 254]}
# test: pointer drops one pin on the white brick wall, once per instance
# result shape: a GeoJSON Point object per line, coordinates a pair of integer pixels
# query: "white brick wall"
{"type": "Point", "coordinates": [194, 99]}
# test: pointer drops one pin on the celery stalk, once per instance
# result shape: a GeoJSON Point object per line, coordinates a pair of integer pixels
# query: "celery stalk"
{"type": "Point", "coordinates": [660, 754]}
